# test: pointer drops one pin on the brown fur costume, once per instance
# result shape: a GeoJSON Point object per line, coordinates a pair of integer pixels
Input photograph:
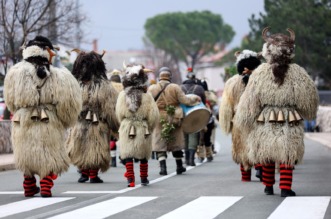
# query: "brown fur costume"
{"type": "Point", "coordinates": [174, 96]}
{"type": "Point", "coordinates": [136, 108]}
{"type": "Point", "coordinates": [39, 146]}
{"type": "Point", "coordinates": [88, 143]}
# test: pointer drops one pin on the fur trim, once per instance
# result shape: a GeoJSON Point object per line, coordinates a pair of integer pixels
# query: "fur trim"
{"type": "Point", "coordinates": [33, 51]}
{"type": "Point", "coordinates": [245, 54]}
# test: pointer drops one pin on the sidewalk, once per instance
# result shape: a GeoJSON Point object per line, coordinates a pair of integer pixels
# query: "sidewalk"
{"type": "Point", "coordinates": [7, 162]}
{"type": "Point", "coordinates": [324, 138]}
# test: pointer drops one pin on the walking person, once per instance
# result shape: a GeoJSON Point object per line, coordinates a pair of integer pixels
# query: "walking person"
{"type": "Point", "coordinates": [193, 86]}
{"type": "Point", "coordinates": [168, 135]}
{"type": "Point", "coordinates": [88, 141]}
{"type": "Point", "coordinates": [246, 62]}
{"type": "Point", "coordinates": [45, 101]}
{"type": "Point", "coordinates": [138, 114]}
{"type": "Point", "coordinates": [278, 96]}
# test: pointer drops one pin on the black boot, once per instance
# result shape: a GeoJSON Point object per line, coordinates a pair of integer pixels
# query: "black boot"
{"type": "Point", "coordinates": [113, 162]}
{"type": "Point", "coordinates": [144, 181]}
{"type": "Point", "coordinates": [287, 192]}
{"type": "Point", "coordinates": [96, 180]}
{"type": "Point", "coordinates": [163, 167]}
{"type": "Point", "coordinates": [84, 176]}
{"type": "Point", "coordinates": [187, 156]}
{"type": "Point", "coordinates": [180, 169]}
{"type": "Point", "coordinates": [269, 190]}
{"type": "Point", "coordinates": [258, 173]}
{"type": "Point", "coordinates": [191, 157]}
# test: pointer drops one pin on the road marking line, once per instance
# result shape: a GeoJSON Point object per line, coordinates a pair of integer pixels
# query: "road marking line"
{"type": "Point", "coordinates": [131, 188]}
{"type": "Point", "coordinates": [28, 205]}
{"type": "Point", "coordinates": [105, 209]}
{"type": "Point", "coordinates": [12, 193]}
{"type": "Point", "coordinates": [302, 207]}
{"type": "Point", "coordinates": [203, 207]}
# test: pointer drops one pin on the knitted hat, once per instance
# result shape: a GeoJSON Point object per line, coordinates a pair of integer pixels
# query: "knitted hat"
{"type": "Point", "coordinates": [165, 73]}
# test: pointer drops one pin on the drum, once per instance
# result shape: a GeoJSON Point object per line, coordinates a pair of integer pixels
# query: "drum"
{"type": "Point", "coordinates": [195, 118]}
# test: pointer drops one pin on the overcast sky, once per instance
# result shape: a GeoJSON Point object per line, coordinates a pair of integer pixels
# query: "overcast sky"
{"type": "Point", "coordinates": [119, 25]}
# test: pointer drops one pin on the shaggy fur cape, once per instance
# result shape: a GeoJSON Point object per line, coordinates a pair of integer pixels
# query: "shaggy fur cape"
{"type": "Point", "coordinates": [38, 146]}
{"type": "Point", "coordinates": [145, 117]}
{"type": "Point", "coordinates": [268, 142]}
{"type": "Point", "coordinates": [174, 96]}
{"type": "Point", "coordinates": [233, 90]}
{"type": "Point", "coordinates": [88, 144]}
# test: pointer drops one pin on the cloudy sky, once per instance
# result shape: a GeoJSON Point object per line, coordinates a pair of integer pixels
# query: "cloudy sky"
{"type": "Point", "coordinates": [119, 25]}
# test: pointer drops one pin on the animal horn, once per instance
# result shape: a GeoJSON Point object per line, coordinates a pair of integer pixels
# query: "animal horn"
{"type": "Point", "coordinates": [76, 50]}
{"type": "Point", "coordinates": [292, 34]}
{"type": "Point", "coordinates": [264, 33]}
{"type": "Point", "coordinates": [103, 52]}
{"type": "Point", "coordinates": [146, 70]}
{"type": "Point", "coordinates": [16, 118]}
{"type": "Point", "coordinates": [237, 53]}
{"type": "Point", "coordinates": [23, 45]}
{"type": "Point", "coordinates": [124, 65]}
{"type": "Point", "coordinates": [56, 47]}
{"type": "Point", "coordinates": [51, 54]}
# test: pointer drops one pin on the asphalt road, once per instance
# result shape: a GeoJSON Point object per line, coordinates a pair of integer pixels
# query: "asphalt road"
{"type": "Point", "coordinates": [209, 190]}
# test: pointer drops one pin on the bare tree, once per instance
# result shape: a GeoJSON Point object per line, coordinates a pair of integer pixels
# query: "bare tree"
{"type": "Point", "coordinates": [23, 19]}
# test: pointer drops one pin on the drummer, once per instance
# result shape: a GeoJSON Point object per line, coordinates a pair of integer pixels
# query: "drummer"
{"type": "Point", "coordinates": [166, 94]}
{"type": "Point", "coordinates": [192, 86]}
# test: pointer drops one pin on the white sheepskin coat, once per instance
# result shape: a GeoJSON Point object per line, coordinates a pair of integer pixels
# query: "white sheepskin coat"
{"type": "Point", "coordinates": [233, 90]}
{"type": "Point", "coordinates": [88, 144]}
{"type": "Point", "coordinates": [38, 146]}
{"type": "Point", "coordinates": [145, 117]}
{"type": "Point", "coordinates": [277, 142]}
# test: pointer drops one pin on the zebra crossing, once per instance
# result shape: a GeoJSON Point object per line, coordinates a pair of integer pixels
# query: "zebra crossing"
{"type": "Point", "coordinates": [206, 207]}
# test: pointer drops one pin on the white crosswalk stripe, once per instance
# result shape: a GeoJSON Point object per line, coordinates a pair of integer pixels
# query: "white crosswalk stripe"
{"type": "Point", "coordinates": [28, 205]}
{"type": "Point", "coordinates": [302, 208]}
{"type": "Point", "coordinates": [203, 207]}
{"type": "Point", "coordinates": [105, 209]}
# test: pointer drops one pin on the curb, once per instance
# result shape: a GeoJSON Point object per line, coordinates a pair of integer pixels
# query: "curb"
{"type": "Point", "coordinates": [6, 167]}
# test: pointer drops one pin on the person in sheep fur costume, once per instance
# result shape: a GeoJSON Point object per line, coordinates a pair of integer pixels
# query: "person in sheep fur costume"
{"type": "Point", "coordinates": [45, 101]}
{"type": "Point", "coordinates": [138, 114]}
{"type": "Point", "coordinates": [246, 62]}
{"type": "Point", "coordinates": [88, 141]}
{"type": "Point", "coordinates": [278, 96]}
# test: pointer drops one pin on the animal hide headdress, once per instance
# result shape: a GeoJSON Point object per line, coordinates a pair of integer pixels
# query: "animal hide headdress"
{"type": "Point", "coordinates": [246, 62]}
{"type": "Point", "coordinates": [39, 52]}
{"type": "Point", "coordinates": [279, 52]}
{"type": "Point", "coordinates": [89, 67]}
{"type": "Point", "coordinates": [135, 82]}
